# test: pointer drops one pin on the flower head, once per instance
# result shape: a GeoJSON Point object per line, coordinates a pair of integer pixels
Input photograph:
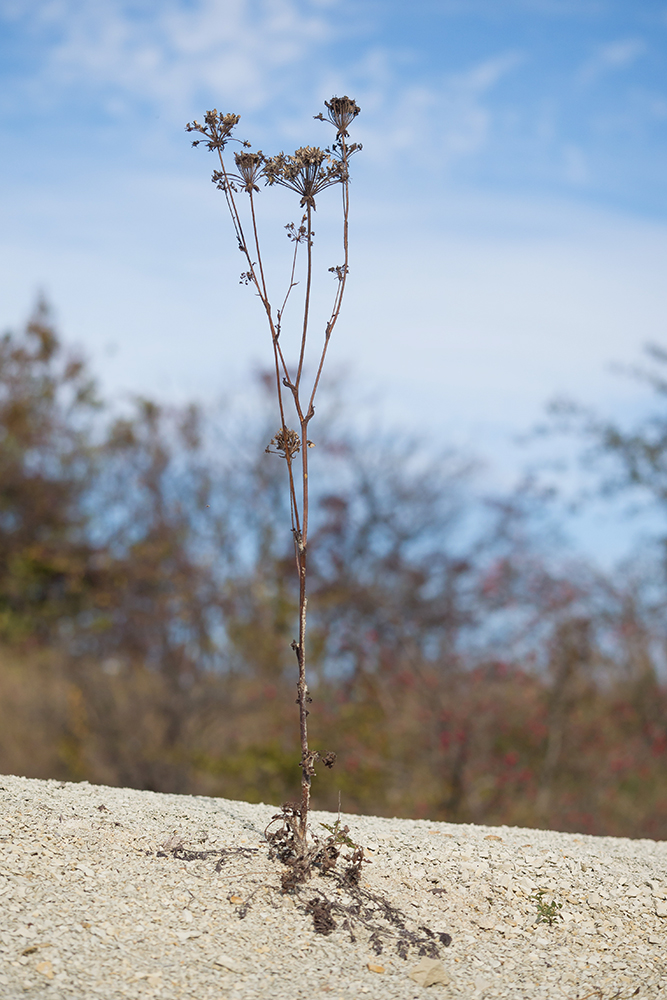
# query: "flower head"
{"type": "Point", "coordinates": [309, 171]}
{"type": "Point", "coordinates": [217, 129]}
{"type": "Point", "coordinates": [286, 442]}
{"type": "Point", "coordinates": [341, 111]}
{"type": "Point", "coordinates": [249, 166]}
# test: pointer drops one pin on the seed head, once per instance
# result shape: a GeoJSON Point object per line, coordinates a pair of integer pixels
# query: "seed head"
{"type": "Point", "coordinates": [308, 171]}
{"type": "Point", "coordinates": [217, 129]}
{"type": "Point", "coordinates": [249, 166]}
{"type": "Point", "coordinates": [341, 111]}
{"type": "Point", "coordinates": [286, 442]}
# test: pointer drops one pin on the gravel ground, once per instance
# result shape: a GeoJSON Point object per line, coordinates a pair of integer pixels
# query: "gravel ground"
{"type": "Point", "coordinates": [98, 898]}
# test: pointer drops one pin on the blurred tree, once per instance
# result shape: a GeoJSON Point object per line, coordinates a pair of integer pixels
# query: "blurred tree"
{"type": "Point", "coordinates": [47, 461]}
{"type": "Point", "coordinates": [466, 668]}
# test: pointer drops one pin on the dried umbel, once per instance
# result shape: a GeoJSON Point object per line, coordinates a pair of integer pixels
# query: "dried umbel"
{"type": "Point", "coordinates": [250, 169]}
{"type": "Point", "coordinates": [285, 442]}
{"type": "Point", "coordinates": [217, 128]}
{"type": "Point", "coordinates": [341, 112]}
{"type": "Point", "coordinates": [307, 172]}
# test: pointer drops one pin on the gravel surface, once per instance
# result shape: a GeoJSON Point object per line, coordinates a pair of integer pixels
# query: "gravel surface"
{"type": "Point", "coordinates": [112, 892]}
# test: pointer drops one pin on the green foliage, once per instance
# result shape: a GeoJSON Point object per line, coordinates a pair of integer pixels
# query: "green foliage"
{"type": "Point", "coordinates": [340, 834]}
{"type": "Point", "coordinates": [547, 913]}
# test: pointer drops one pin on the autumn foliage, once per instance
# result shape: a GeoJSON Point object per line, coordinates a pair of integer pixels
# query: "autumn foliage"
{"type": "Point", "coordinates": [462, 668]}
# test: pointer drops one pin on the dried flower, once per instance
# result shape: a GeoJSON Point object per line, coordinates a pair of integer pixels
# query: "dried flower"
{"type": "Point", "coordinates": [340, 270]}
{"type": "Point", "coordinates": [222, 181]}
{"type": "Point", "coordinates": [309, 171]}
{"type": "Point", "coordinates": [297, 235]}
{"type": "Point", "coordinates": [341, 111]}
{"type": "Point", "coordinates": [249, 166]}
{"type": "Point", "coordinates": [286, 442]}
{"type": "Point", "coordinates": [217, 129]}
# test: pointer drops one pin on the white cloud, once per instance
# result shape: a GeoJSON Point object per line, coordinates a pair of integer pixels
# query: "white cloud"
{"type": "Point", "coordinates": [483, 75]}
{"type": "Point", "coordinates": [496, 8]}
{"type": "Point", "coordinates": [170, 52]}
{"type": "Point", "coordinates": [464, 117]}
{"type": "Point", "coordinates": [448, 119]}
{"type": "Point", "coordinates": [613, 56]}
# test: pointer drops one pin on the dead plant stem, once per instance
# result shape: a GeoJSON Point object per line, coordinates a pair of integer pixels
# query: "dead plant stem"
{"type": "Point", "coordinates": [308, 172]}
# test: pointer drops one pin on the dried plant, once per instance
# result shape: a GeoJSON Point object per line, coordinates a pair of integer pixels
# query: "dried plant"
{"type": "Point", "coordinates": [307, 172]}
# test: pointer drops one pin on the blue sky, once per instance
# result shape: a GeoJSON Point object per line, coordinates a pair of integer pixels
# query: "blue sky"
{"type": "Point", "coordinates": [509, 208]}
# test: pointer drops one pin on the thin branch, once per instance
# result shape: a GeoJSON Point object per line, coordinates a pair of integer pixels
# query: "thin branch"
{"type": "Point", "coordinates": [342, 281]}
{"type": "Point", "coordinates": [306, 305]}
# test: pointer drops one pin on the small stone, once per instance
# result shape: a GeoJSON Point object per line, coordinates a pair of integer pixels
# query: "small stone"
{"type": "Point", "coordinates": [235, 899]}
{"type": "Point", "coordinates": [486, 923]}
{"type": "Point", "coordinates": [374, 968]}
{"type": "Point", "coordinates": [661, 907]}
{"type": "Point", "coordinates": [45, 968]}
{"type": "Point", "coordinates": [174, 841]}
{"type": "Point", "coordinates": [225, 962]}
{"type": "Point", "coordinates": [429, 972]}
{"type": "Point", "coordinates": [492, 836]}
{"type": "Point", "coordinates": [187, 917]}
{"type": "Point", "coordinates": [184, 936]}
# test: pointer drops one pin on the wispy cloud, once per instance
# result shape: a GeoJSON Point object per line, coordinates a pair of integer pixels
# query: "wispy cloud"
{"type": "Point", "coordinates": [548, 8]}
{"type": "Point", "coordinates": [449, 118]}
{"type": "Point", "coordinates": [612, 56]}
{"type": "Point", "coordinates": [170, 52]}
